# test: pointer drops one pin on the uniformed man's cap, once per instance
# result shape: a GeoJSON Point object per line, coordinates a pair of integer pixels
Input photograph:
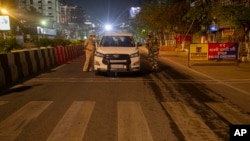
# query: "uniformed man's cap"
{"type": "Point", "coordinates": [92, 34]}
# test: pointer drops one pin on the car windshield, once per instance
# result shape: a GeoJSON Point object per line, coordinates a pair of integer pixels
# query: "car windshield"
{"type": "Point", "coordinates": [117, 41]}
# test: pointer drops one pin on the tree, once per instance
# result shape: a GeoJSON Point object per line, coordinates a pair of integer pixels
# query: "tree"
{"type": "Point", "coordinates": [162, 16]}
{"type": "Point", "coordinates": [236, 16]}
{"type": "Point", "coordinates": [200, 13]}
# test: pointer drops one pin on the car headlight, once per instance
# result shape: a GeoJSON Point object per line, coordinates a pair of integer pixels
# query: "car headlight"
{"type": "Point", "coordinates": [134, 55]}
{"type": "Point", "coordinates": [99, 54]}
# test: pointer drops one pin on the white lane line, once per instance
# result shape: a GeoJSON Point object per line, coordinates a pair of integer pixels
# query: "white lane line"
{"type": "Point", "coordinates": [132, 125]}
{"type": "Point", "coordinates": [11, 127]}
{"type": "Point", "coordinates": [191, 126]}
{"type": "Point", "coordinates": [229, 113]}
{"type": "Point", "coordinates": [74, 123]}
{"type": "Point", "coordinates": [3, 102]}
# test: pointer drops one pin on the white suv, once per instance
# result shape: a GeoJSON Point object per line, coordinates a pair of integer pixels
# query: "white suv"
{"type": "Point", "coordinates": [117, 52]}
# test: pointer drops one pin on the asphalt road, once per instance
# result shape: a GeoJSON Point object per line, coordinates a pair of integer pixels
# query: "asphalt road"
{"type": "Point", "coordinates": [67, 104]}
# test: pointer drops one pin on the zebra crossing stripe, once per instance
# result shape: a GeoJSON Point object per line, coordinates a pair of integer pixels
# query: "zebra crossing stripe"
{"type": "Point", "coordinates": [132, 125]}
{"type": "Point", "coordinates": [229, 113]}
{"type": "Point", "coordinates": [191, 126]}
{"type": "Point", "coordinates": [3, 102]}
{"type": "Point", "coordinates": [73, 124]}
{"type": "Point", "coordinates": [11, 127]}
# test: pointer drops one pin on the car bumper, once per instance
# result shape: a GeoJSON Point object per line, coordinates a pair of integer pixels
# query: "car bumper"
{"type": "Point", "coordinates": [117, 65]}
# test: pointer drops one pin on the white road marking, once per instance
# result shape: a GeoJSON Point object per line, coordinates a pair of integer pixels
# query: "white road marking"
{"type": "Point", "coordinates": [132, 125]}
{"type": "Point", "coordinates": [74, 123]}
{"type": "Point", "coordinates": [229, 113]}
{"type": "Point", "coordinates": [11, 127]}
{"type": "Point", "coordinates": [191, 126]}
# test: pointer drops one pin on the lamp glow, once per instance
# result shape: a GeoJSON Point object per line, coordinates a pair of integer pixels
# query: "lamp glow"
{"type": "Point", "coordinates": [108, 27]}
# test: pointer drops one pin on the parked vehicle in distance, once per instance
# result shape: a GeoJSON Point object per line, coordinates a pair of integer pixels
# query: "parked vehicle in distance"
{"type": "Point", "coordinates": [117, 52]}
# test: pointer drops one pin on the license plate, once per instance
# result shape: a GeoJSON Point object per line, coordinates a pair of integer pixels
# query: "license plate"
{"type": "Point", "coordinates": [118, 61]}
{"type": "Point", "coordinates": [117, 66]}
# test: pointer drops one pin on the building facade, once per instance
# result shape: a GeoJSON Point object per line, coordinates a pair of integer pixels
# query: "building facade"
{"type": "Point", "coordinates": [59, 16]}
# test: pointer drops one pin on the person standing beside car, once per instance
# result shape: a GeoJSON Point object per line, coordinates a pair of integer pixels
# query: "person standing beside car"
{"type": "Point", "coordinates": [152, 45]}
{"type": "Point", "coordinates": [89, 48]}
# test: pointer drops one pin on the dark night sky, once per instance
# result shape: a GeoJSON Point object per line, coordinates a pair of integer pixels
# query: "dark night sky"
{"type": "Point", "coordinates": [106, 11]}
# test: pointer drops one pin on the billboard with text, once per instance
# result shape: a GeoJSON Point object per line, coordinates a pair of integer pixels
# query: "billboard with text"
{"type": "Point", "coordinates": [213, 51]}
{"type": "Point", "coordinates": [222, 51]}
{"type": "Point", "coordinates": [198, 51]}
{"type": "Point", "coordinates": [4, 23]}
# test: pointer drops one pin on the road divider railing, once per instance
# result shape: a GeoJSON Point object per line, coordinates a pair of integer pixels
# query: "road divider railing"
{"type": "Point", "coordinates": [20, 65]}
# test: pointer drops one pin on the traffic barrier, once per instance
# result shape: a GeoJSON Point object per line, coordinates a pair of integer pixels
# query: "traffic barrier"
{"type": "Point", "coordinates": [34, 62]}
{"type": "Point", "coordinates": [52, 57]}
{"type": "Point", "coordinates": [25, 63]}
{"type": "Point", "coordinates": [70, 52]}
{"type": "Point", "coordinates": [9, 67]}
{"type": "Point", "coordinates": [60, 54]}
{"type": "Point", "coordinates": [39, 60]}
{"type": "Point", "coordinates": [46, 59]}
{"type": "Point", "coordinates": [29, 62]}
{"type": "Point", "coordinates": [80, 50]}
{"type": "Point", "coordinates": [21, 63]}
{"type": "Point", "coordinates": [2, 76]}
{"type": "Point", "coordinates": [74, 52]}
{"type": "Point", "coordinates": [54, 52]}
{"type": "Point", "coordinates": [65, 54]}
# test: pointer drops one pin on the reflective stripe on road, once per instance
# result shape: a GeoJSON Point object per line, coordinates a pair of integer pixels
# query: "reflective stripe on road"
{"type": "Point", "coordinates": [131, 122]}
{"type": "Point", "coordinates": [132, 125]}
{"type": "Point", "coordinates": [73, 124]}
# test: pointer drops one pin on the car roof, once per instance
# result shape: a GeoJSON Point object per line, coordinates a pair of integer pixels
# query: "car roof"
{"type": "Point", "coordinates": [118, 34]}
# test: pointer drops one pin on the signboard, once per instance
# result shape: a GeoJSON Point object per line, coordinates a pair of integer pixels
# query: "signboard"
{"type": "Point", "coordinates": [198, 52]}
{"type": "Point", "coordinates": [46, 31]}
{"type": "Point", "coordinates": [222, 51]}
{"type": "Point", "coordinates": [214, 51]}
{"type": "Point", "coordinates": [4, 23]}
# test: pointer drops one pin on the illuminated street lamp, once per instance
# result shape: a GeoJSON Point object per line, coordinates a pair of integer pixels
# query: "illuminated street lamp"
{"type": "Point", "coordinates": [43, 22]}
{"type": "Point", "coordinates": [4, 11]}
{"type": "Point", "coordinates": [108, 27]}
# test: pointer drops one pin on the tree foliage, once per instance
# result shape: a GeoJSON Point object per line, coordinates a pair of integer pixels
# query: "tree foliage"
{"type": "Point", "coordinates": [158, 17]}
{"type": "Point", "coordinates": [6, 45]}
{"type": "Point", "coordinates": [237, 17]}
{"type": "Point", "coordinates": [195, 15]}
